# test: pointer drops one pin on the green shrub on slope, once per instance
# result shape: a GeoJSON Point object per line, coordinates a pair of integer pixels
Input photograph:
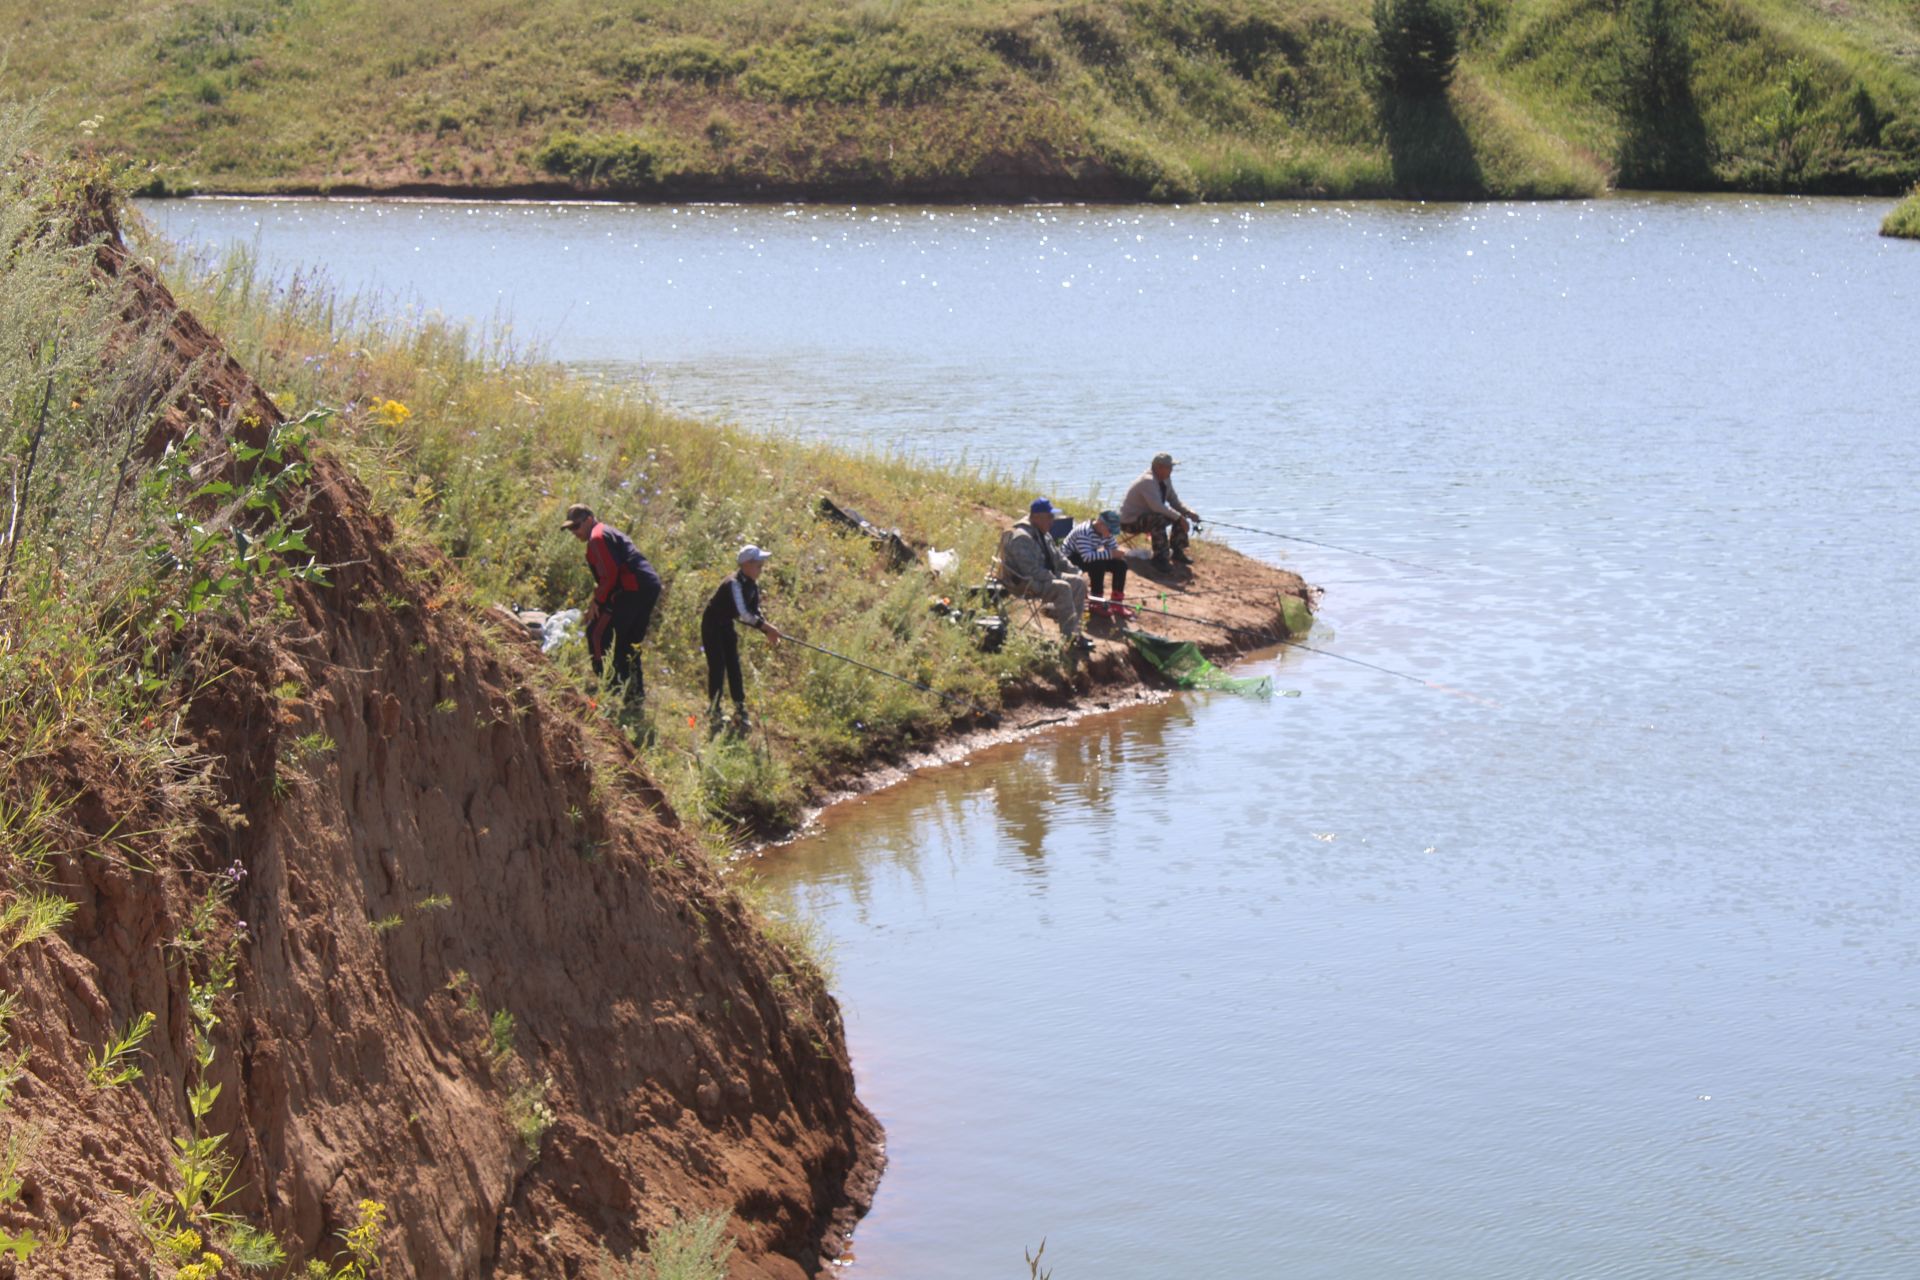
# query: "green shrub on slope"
{"type": "Point", "coordinates": [1904, 221]}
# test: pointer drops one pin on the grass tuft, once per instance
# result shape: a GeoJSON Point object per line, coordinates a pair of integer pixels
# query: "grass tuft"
{"type": "Point", "coordinates": [1904, 220]}
{"type": "Point", "coordinates": [697, 1248]}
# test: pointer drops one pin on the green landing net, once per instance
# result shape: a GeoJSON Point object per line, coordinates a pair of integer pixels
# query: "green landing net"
{"type": "Point", "coordinates": [1187, 667]}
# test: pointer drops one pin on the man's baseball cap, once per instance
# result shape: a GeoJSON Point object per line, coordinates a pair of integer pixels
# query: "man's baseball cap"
{"type": "Point", "coordinates": [751, 554]}
{"type": "Point", "coordinates": [575, 514]}
{"type": "Point", "coordinates": [1043, 507]}
{"type": "Point", "coordinates": [1111, 519]}
{"type": "Point", "coordinates": [1163, 460]}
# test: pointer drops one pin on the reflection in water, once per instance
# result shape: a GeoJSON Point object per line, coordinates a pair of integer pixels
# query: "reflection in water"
{"type": "Point", "coordinates": [1068, 779]}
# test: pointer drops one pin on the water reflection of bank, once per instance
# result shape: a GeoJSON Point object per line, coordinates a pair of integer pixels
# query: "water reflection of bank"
{"type": "Point", "coordinates": [1030, 794]}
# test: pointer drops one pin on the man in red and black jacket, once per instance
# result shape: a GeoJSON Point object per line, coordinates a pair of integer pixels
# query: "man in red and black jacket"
{"type": "Point", "coordinates": [625, 590]}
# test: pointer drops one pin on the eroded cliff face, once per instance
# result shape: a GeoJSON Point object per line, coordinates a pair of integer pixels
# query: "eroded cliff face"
{"type": "Point", "coordinates": [394, 750]}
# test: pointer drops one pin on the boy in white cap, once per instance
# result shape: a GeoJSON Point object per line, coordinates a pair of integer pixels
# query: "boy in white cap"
{"type": "Point", "coordinates": [735, 603]}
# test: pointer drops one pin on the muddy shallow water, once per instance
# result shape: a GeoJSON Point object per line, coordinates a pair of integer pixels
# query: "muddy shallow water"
{"type": "Point", "coordinates": [1608, 972]}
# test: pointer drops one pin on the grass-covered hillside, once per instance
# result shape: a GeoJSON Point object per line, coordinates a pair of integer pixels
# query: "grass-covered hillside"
{"type": "Point", "coordinates": [1169, 99]}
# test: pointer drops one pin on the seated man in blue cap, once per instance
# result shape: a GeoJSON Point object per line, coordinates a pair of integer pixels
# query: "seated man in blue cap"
{"type": "Point", "coordinates": [1031, 565]}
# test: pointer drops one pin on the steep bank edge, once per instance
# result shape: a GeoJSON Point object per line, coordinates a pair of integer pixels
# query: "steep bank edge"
{"type": "Point", "coordinates": [1257, 604]}
{"type": "Point", "coordinates": [692, 1064]}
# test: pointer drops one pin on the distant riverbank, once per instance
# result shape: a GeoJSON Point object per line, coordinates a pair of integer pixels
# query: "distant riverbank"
{"type": "Point", "coordinates": [984, 100]}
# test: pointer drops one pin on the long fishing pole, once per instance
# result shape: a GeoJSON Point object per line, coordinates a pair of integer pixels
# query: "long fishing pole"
{"type": "Point", "coordinates": [1325, 653]}
{"type": "Point", "coordinates": [1331, 546]}
{"type": "Point", "coordinates": [968, 703]}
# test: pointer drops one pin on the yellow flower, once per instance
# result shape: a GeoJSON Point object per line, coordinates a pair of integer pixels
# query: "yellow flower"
{"type": "Point", "coordinates": [392, 413]}
{"type": "Point", "coordinates": [181, 1245]}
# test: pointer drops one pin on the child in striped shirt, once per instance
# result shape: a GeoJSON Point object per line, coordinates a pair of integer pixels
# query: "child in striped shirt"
{"type": "Point", "coordinates": [1094, 547]}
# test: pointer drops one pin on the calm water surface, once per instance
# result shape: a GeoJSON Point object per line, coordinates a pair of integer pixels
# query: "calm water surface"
{"type": "Point", "coordinates": [1615, 977]}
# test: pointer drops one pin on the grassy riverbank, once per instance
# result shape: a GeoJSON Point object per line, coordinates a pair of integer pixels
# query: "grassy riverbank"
{"type": "Point", "coordinates": [1904, 221]}
{"type": "Point", "coordinates": [1163, 99]}
{"type": "Point", "coordinates": [475, 449]}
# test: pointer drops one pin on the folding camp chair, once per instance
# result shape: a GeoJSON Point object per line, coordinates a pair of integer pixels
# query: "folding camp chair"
{"type": "Point", "coordinates": [1003, 591]}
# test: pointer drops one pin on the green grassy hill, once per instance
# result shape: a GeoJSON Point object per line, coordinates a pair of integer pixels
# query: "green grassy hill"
{"type": "Point", "coordinates": [1166, 99]}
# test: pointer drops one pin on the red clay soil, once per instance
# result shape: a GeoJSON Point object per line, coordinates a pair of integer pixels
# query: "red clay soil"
{"type": "Point", "coordinates": [533, 869]}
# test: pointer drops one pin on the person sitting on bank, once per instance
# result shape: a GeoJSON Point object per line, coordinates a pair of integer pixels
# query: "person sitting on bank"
{"type": "Point", "coordinates": [735, 603]}
{"type": "Point", "coordinates": [1152, 507]}
{"type": "Point", "coordinates": [625, 590]}
{"type": "Point", "coordinates": [1095, 547]}
{"type": "Point", "coordinates": [1032, 566]}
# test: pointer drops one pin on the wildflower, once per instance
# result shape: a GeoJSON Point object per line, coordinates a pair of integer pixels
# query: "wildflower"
{"type": "Point", "coordinates": [392, 413]}
{"type": "Point", "coordinates": [182, 1244]}
{"type": "Point", "coordinates": [235, 873]}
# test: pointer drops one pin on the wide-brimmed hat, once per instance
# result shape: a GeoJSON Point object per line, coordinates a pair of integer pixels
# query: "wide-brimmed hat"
{"type": "Point", "coordinates": [1111, 519]}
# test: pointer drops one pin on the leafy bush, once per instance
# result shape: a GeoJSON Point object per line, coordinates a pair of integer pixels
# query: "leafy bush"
{"type": "Point", "coordinates": [1418, 43]}
{"type": "Point", "coordinates": [689, 60]}
{"type": "Point", "coordinates": [627, 161]}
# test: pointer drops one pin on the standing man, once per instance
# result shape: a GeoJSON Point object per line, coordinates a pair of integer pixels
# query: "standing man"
{"type": "Point", "coordinates": [1093, 547]}
{"type": "Point", "coordinates": [734, 604]}
{"type": "Point", "coordinates": [625, 590]}
{"type": "Point", "coordinates": [1032, 565]}
{"type": "Point", "coordinates": [1152, 507]}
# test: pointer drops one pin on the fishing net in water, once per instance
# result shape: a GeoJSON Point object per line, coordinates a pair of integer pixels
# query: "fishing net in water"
{"type": "Point", "coordinates": [1183, 663]}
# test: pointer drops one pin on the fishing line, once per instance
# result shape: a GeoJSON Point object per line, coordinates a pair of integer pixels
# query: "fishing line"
{"type": "Point", "coordinates": [968, 703]}
{"type": "Point", "coordinates": [1331, 546]}
{"type": "Point", "coordinates": [1325, 653]}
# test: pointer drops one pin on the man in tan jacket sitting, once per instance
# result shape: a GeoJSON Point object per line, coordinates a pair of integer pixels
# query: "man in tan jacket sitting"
{"type": "Point", "coordinates": [1152, 507]}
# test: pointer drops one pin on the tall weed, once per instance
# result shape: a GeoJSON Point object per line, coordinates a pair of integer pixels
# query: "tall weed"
{"type": "Point", "coordinates": [695, 1248]}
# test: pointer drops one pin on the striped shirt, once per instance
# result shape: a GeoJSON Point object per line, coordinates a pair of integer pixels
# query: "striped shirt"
{"type": "Point", "coordinates": [1084, 543]}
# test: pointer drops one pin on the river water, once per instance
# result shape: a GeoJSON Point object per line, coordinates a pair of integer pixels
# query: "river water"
{"type": "Point", "coordinates": [1606, 970]}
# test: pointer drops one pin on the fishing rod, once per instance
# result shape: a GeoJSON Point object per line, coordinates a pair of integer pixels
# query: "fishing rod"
{"type": "Point", "coordinates": [968, 703]}
{"type": "Point", "coordinates": [1325, 653]}
{"type": "Point", "coordinates": [1331, 546]}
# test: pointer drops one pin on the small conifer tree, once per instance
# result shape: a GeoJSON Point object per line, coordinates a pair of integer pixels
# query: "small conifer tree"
{"type": "Point", "coordinates": [1418, 43]}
